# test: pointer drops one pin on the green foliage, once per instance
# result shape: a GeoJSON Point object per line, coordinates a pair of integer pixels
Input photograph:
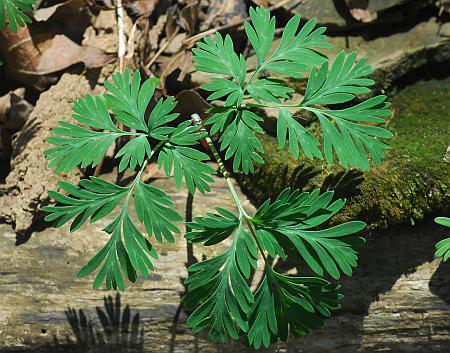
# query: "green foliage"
{"type": "Point", "coordinates": [284, 303]}
{"type": "Point", "coordinates": [15, 13]}
{"type": "Point", "coordinates": [284, 225]}
{"type": "Point", "coordinates": [295, 224]}
{"type": "Point", "coordinates": [217, 287]}
{"type": "Point", "coordinates": [280, 302]}
{"type": "Point", "coordinates": [128, 251]}
{"type": "Point", "coordinates": [348, 133]}
{"type": "Point", "coordinates": [443, 247]}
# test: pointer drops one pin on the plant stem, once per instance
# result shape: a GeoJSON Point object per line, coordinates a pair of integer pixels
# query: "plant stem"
{"type": "Point", "coordinates": [256, 105]}
{"type": "Point", "coordinates": [248, 220]}
{"type": "Point", "coordinates": [198, 121]}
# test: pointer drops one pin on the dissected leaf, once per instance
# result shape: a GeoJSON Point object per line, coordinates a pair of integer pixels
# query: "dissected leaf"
{"type": "Point", "coordinates": [297, 50]}
{"type": "Point", "coordinates": [212, 229]}
{"type": "Point", "coordinates": [239, 137]}
{"type": "Point", "coordinates": [129, 100]}
{"type": "Point", "coordinates": [298, 136]}
{"type": "Point", "coordinates": [17, 12]}
{"type": "Point", "coordinates": [286, 303]}
{"type": "Point", "coordinates": [443, 247]}
{"type": "Point", "coordinates": [128, 251]}
{"type": "Point", "coordinates": [218, 291]}
{"type": "Point", "coordinates": [134, 153]}
{"type": "Point", "coordinates": [185, 161]}
{"type": "Point", "coordinates": [94, 199]}
{"type": "Point", "coordinates": [288, 221]}
{"type": "Point", "coordinates": [341, 83]}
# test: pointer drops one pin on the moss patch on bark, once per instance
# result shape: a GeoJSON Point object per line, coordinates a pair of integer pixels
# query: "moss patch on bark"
{"type": "Point", "coordinates": [412, 182]}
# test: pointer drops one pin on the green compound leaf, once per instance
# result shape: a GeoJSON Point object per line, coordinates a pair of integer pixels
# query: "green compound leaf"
{"type": "Point", "coordinates": [354, 142]}
{"type": "Point", "coordinates": [134, 153]}
{"type": "Point", "coordinates": [18, 12]}
{"type": "Point", "coordinates": [188, 163]}
{"type": "Point", "coordinates": [340, 84]}
{"type": "Point", "coordinates": [218, 291]}
{"type": "Point", "coordinates": [268, 90]}
{"type": "Point", "coordinates": [95, 198]}
{"type": "Point", "coordinates": [329, 249]}
{"type": "Point", "coordinates": [349, 133]}
{"type": "Point", "coordinates": [218, 57]}
{"type": "Point", "coordinates": [283, 227]}
{"type": "Point", "coordinates": [127, 251]}
{"type": "Point", "coordinates": [443, 247]}
{"type": "Point", "coordinates": [239, 137]}
{"type": "Point", "coordinates": [297, 135]}
{"type": "Point", "coordinates": [185, 161]}
{"type": "Point", "coordinates": [212, 229]}
{"type": "Point", "coordinates": [128, 100]}
{"type": "Point", "coordinates": [155, 210]}
{"type": "Point", "coordinates": [261, 32]}
{"type": "Point", "coordinates": [83, 146]}
{"type": "Point", "coordinates": [77, 145]}
{"type": "Point", "coordinates": [160, 116]}
{"type": "Point", "coordinates": [221, 88]}
{"type": "Point", "coordinates": [286, 303]}
{"type": "Point", "coordinates": [297, 50]}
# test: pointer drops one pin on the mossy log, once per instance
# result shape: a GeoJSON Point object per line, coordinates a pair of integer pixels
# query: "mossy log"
{"type": "Point", "coordinates": [411, 182]}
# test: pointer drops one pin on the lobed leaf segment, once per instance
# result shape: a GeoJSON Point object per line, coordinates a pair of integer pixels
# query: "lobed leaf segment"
{"type": "Point", "coordinates": [294, 224]}
{"type": "Point", "coordinates": [15, 13]}
{"type": "Point", "coordinates": [443, 247]}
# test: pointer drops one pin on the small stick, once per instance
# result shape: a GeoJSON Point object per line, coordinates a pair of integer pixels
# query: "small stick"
{"type": "Point", "coordinates": [121, 57]}
{"type": "Point", "coordinates": [122, 46]}
{"type": "Point", "coordinates": [162, 48]}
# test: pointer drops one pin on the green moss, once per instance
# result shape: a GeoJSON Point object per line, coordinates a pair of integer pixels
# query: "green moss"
{"type": "Point", "coordinates": [412, 181]}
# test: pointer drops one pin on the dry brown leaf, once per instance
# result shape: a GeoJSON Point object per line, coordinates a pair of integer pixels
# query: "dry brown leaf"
{"type": "Point", "coordinates": [182, 61]}
{"type": "Point", "coordinates": [35, 52]}
{"type": "Point", "coordinates": [191, 102]}
{"type": "Point", "coordinates": [14, 109]}
{"type": "Point", "coordinates": [175, 44]}
{"type": "Point", "coordinates": [140, 7]}
{"type": "Point", "coordinates": [189, 17]}
{"type": "Point", "coordinates": [223, 12]}
{"type": "Point", "coordinates": [70, 18]}
{"type": "Point", "coordinates": [156, 31]}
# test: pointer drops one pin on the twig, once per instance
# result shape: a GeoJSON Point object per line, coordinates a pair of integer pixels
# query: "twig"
{"type": "Point", "coordinates": [122, 46]}
{"type": "Point", "coordinates": [162, 48]}
{"type": "Point", "coordinates": [191, 40]}
{"type": "Point", "coordinates": [121, 57]}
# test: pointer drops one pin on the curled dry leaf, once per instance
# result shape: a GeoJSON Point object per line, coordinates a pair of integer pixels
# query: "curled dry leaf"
{"type": "Point", "coordinates": [224, 12]}
{"type": "Point", "coordinates": [191, 102]}
{"type": "Point", "coordinates": [189, 17]}
{"type": "Point", "coordinates": [140, 7]}
{"type": "Point", "coordinates": [14, 110]}
{"type": "Point", "coordinates": [70, 18]}
{"type": "Point", "coordinates": [182, 61]}
{"type": "Point", "coordinates": [33, 54]}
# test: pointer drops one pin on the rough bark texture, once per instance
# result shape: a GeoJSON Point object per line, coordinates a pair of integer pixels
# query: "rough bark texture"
{"type": "Point", "coordinates": [25, 190]}
{"type": "Point", "coordinates": [397, 299]}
